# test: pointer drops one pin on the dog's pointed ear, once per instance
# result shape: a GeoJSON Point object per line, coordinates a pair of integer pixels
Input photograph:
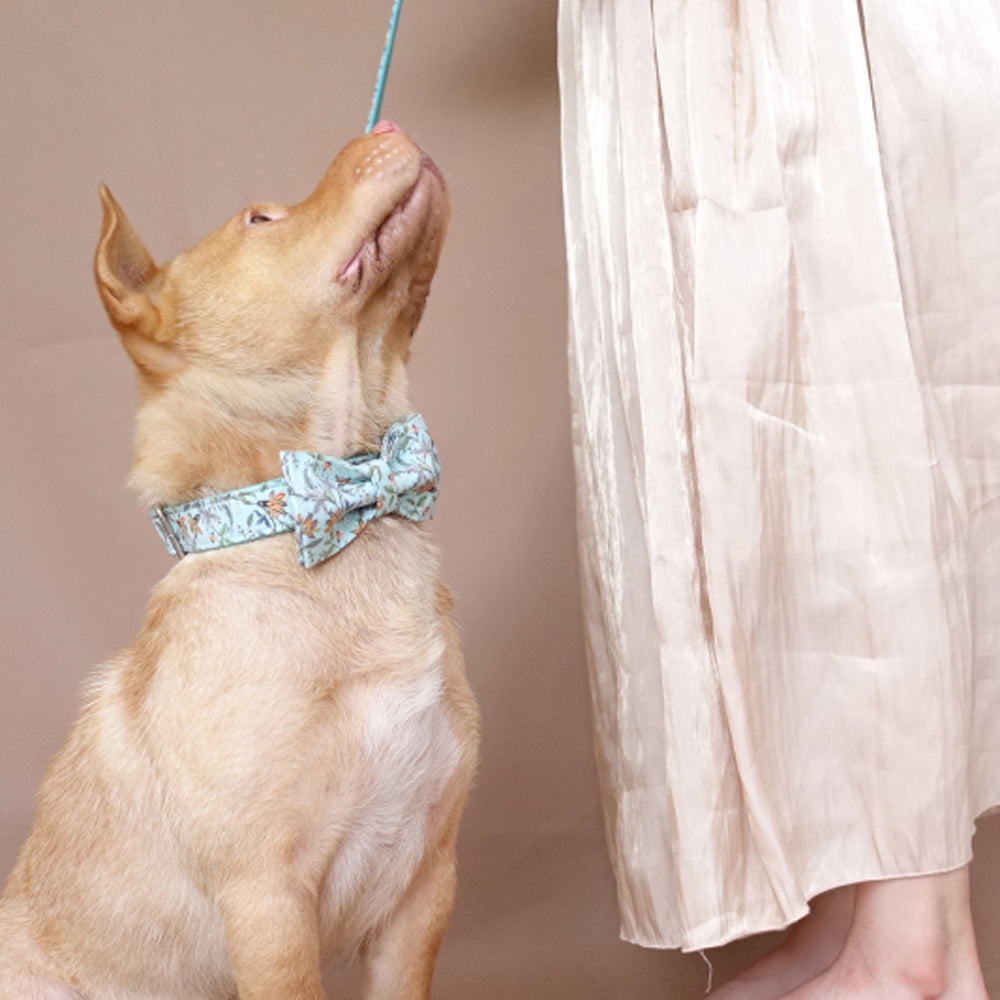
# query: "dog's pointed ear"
{"type": "Point", "coordinates": [127, 281]}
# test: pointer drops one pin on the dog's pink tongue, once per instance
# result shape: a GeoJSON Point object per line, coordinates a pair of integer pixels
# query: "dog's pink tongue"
{"type": "Point", "coordinates": [385, 126]}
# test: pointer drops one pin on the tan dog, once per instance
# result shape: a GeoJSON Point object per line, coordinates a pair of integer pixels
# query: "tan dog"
{"type": "Point", "coordinates": [274, 771]}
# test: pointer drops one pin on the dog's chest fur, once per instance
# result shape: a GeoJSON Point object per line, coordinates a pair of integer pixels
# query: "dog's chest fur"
{"type": "Point", "coordinates": [332, 720]}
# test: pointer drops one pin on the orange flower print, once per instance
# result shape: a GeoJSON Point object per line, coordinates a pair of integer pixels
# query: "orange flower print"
{"type": "Point", "coordinates": [275, 505]}
{"type": "Point", "coordinates": [307, 526]}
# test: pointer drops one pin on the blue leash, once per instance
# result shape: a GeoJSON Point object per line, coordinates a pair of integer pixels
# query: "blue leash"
{"type": "Point", "coordinates": [383, 67]}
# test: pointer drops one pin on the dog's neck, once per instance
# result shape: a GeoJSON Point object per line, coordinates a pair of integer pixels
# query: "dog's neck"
{"type": "Point", "coordinates": [204, 434]}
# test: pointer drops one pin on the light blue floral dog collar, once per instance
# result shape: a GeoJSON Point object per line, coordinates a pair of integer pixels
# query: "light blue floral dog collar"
{"type": "Point", "coordinates": [326, 501]}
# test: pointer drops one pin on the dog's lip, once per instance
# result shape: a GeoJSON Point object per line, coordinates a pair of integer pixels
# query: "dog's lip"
{"type": "Point", "coordinates": [427, 166]}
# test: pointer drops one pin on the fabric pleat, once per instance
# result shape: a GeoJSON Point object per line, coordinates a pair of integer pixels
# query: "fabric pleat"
{"type": "Point", "coordinates": [783, 242]}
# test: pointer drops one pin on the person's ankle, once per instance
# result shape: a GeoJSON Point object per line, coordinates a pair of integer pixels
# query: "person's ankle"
{"type": "Point", "coordinates": [926, 976]}
{"type": "Point", "coordinates": [926, 970]}
{"type": "Point", "coordinates": [858, 973]}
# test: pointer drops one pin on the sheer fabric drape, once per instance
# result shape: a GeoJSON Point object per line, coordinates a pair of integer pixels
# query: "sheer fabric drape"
{"type": "Point", "coordinates": [783, 238]}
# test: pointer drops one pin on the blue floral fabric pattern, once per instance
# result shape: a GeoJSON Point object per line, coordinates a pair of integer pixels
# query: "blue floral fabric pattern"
{"type": "Point", "coordinates": [326, 501]}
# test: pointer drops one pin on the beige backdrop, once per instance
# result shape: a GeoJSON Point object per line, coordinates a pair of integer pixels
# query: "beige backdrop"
{"type": "Point", "coordinates": [189, 110]}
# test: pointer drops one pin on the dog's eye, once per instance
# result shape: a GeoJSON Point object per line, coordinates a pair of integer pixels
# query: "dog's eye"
{"type": "Point", "coordinates": [259, 218]}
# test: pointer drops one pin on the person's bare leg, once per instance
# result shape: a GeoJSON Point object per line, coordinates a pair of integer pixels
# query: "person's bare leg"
{"type": "Point", "coordinates": [810, 947]}
{"type": "Point", "coordinates": [910, 939]}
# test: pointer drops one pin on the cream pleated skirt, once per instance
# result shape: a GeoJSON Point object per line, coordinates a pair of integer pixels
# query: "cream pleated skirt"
{"type": "Point", "coordinates": [783, 234]}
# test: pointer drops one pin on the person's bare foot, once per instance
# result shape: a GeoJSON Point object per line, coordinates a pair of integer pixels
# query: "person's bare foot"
{"type": "Point", "coordinates": [810, 947]}
{"type": "Point", "coordinates": [910, 939]}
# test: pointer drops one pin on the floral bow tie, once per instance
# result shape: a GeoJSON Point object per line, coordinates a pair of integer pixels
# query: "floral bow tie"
{"type": "Point", "coordinates": [326, 501]}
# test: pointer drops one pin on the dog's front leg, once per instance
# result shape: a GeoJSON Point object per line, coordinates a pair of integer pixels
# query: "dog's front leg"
{"type": "Point", "coordinates": [400, 961]}
{"type": "Point", "coordinates": [273, 939]}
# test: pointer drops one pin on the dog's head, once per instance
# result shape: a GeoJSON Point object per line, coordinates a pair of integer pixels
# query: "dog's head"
{"type": "Point", "coordinates": [287, 327]}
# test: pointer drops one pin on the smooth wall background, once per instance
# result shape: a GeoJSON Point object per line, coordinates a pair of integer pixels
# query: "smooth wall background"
{"type": "Point", "coordinates": [189, 110]}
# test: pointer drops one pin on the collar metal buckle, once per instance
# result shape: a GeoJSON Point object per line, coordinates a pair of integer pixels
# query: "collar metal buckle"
{"type": "Point", "coordinates": [161, 519]}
